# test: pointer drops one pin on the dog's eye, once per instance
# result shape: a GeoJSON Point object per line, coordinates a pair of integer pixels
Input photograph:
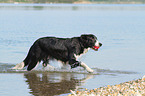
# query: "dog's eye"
{"type": "Point", "coordinates": [92, 38]}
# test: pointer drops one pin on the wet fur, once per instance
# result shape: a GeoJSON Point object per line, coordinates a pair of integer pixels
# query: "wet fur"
{"type": "Point", "coordinates": [63, 49]}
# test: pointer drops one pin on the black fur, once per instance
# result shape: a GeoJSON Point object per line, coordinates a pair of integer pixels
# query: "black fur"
{"type": "Point", "coordinates": [63, 49]}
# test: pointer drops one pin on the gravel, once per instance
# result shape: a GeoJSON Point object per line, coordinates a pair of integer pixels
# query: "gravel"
{"type": "Point", "coordinates": [131, 88]}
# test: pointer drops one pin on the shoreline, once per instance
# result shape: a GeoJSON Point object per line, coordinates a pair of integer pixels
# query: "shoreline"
{"type": "Point", "coordinates": [131, 88]}
{"type": "Point", "coordinates": [76, 2]}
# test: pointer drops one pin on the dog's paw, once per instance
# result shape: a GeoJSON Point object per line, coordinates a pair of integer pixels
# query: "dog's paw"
{"type": "Point", "coordinates": [90, 70]}
{"type": "Point", "coordinates": [86, 67]}
{"type": "Point", "coordinates": [76, 64]}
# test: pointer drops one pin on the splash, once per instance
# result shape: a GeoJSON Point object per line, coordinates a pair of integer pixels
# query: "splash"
{"type": "Point", "coordinates": [7, 68]}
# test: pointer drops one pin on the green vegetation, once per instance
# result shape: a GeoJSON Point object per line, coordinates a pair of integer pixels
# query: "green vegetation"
{"type": "Point", "coordinates": [119, 1]}
{"type": "Point", "coordinates": [37, 1]}
{"type": "Point", "coordinates": [74, 1]}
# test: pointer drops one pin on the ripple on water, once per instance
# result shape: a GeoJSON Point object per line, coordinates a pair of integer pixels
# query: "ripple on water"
{"type": "Point", "coordinates": [6, 68]}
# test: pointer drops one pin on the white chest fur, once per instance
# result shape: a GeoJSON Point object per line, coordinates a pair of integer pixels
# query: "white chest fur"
{"type": "Point", "coordinates": [78, 56]}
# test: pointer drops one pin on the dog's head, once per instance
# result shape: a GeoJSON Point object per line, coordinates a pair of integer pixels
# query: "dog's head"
{"type": "Point", "coordinates": [90, 41]}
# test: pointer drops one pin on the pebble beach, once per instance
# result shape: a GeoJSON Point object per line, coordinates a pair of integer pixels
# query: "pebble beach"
{"type": "Point", "coordinates": [130, 88]}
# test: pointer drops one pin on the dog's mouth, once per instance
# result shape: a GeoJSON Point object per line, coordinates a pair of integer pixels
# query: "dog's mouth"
{"type": "Point", "coordinates": [95, 48]}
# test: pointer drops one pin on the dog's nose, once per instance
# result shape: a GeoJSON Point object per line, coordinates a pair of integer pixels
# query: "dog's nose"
{"type": "Point", "coordinates": [100, 44]}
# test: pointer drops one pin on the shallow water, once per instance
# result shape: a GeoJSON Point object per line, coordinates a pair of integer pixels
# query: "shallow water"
{"type": "Point", "coordinates": [119, 27]}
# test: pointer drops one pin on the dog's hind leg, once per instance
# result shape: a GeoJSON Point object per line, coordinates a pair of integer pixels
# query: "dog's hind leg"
{"type": "Point", "coordinates": [45, 62]}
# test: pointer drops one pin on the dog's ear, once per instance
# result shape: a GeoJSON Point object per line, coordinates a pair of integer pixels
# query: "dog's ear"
{"type": "Point", "coordinates": [83, 37]}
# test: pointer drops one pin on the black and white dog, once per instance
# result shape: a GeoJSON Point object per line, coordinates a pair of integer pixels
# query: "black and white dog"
{"type": "Point", "coordinates": [63, 49]}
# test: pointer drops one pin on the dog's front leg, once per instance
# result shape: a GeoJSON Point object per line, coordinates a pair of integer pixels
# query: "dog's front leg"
{"type": "Point", "coordinates": [82, 65]}
{"type": "Point", "coordinates": [74, 63]}
{"type": "Point", "coordinates": [72, 59]}
{"type": "Point", "coordinates": [86, 67]}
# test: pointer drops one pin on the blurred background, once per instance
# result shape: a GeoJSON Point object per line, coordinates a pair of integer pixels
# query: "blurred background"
{"type": "Point", "coordinates": [74, 1]}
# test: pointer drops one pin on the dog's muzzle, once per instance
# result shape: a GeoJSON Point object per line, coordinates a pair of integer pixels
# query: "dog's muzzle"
{"type": "Point", "coordinates": [97, 46]}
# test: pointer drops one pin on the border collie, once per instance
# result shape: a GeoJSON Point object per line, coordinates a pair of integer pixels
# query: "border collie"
{"type": "Point", "coordinates": [66, 50]}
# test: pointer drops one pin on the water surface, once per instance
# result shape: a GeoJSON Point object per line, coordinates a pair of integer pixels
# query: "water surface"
{"type": "Point", "coordinates": [119, 27]}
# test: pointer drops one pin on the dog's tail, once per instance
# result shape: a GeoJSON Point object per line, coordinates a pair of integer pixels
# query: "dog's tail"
{"type": "Point", "coordinates": [19, 66]}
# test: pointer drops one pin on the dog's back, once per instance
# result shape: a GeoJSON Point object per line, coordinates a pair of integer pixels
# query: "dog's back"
{"type": "Point", "coordinates": [63, 49]}
{"type": "Point", "coordinates": [51, 48]}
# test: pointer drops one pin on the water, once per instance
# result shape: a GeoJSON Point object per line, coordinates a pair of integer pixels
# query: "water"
{"type": "Point", "coordinates": [119, 27]}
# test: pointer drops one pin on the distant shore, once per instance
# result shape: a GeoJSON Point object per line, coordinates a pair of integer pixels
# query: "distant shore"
{"type": "Point", "coordinates": [71, 2]}
{"type": "Point", "coordinates": [131, 88]}
{"type": "Point", "coordinates": [88, 2]}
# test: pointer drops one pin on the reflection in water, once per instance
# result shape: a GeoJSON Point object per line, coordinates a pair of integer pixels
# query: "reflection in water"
{"type": "Point", "coordinates": [50, 84]}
